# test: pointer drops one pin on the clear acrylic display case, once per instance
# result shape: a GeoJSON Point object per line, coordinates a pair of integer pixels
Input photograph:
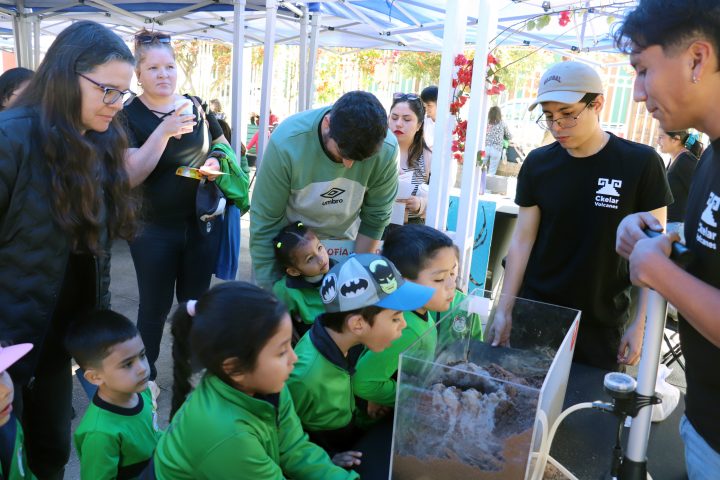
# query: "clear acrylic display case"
{"type": "Point", "coordinates": [476, 411]}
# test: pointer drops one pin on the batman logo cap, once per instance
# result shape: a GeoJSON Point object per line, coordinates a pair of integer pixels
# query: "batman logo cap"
{"type": "Point", "coordinates": [367, 279]}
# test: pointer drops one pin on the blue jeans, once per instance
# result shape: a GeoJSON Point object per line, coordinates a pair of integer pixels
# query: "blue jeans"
{"type": "Point", "coordinates": [169, 260]}
{"type": "Point", "coordinates": [701, 460]}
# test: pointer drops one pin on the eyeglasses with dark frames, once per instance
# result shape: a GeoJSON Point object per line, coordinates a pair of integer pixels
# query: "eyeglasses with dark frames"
{"type": "Point", "coordinates": [111, 94]}
{"type": "Point", "coordinates": [566, 121]}
{"type": "Point", "coordinates": [153, 37]}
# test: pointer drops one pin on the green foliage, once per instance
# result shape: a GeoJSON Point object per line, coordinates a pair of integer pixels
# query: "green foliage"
{"type": "Point", "coordinates": [423, 66]}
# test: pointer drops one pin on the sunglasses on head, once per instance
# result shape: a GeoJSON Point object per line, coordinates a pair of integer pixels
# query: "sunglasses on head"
{"type": "Point", "coordinates": [153, 37]}
{"type": "Point", "coordinates": [405, 96]}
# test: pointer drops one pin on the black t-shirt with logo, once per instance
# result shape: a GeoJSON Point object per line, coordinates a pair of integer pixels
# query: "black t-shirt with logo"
{"type": "Point", "coordinates": [582, 201]}
{"type": "Point", "coordinates": [169, 199]}
{"type": "Point", "coordinates": [702, 357]}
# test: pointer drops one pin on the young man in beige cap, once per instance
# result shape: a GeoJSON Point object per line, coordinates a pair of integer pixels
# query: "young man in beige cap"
{"type": "Point", "coordinates": [572, 195]}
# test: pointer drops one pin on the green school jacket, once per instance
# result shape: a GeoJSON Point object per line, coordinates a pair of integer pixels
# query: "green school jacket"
{"type": "Point", "coordinates": [375, 376]}
{"type": "Point", "coordinates": [300, 297]}
{"type": "Point", "coordinates": [115, 442]}
{"type": "Point", "coordinates": [320, 383]}
{"type": "Point", "coordinates": [221, 433]}
{"type": "Point", "coordinates": [19, 469]}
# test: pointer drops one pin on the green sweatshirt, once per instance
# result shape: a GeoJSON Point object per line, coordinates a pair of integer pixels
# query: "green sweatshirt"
{"type": "Point", "coordinates": [320, 383]}
{"type": "Point", "coordinates": [221, 433]}
{"type": "Point", "coordinates": [300, 297]}
{"type": "Point", "coordinates": [375, 377]}
{"type": "Point", "coordinates": [12, 434]}
{"type": "Point", "coordinates": [298, 181]}
{"type": "Point", "coordinates": [115, 442]}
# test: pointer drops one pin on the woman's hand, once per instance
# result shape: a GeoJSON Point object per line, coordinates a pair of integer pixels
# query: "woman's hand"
{"type": "Point", "coordinates": [175, 125]}
{"type": "Point", "coordinates": [211, 164]}
{"type": "Point", "coordinates": [375, 410]}
{"type": "Point", "coordinates": [413, 204]}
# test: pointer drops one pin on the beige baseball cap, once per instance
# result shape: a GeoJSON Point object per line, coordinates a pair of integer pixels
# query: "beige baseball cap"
{"type": "Point", "coordinates": [567, 82]}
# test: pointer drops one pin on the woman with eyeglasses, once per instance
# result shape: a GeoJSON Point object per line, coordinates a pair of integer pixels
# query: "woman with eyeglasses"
{"type": "Point", "coordinates": [684, 150]}
{"type": "Point", "coordinates": [171, 255]}
{"type": "Point", "coordinates": [406, 119]}
{"type": "Point", "coordinates": [64, 195]}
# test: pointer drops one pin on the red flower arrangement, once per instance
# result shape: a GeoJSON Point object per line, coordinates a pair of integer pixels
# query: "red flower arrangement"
{"type": "Point", "coordinates": [461, 93]}
{"type": "Point", "coordinates": [564, 18]}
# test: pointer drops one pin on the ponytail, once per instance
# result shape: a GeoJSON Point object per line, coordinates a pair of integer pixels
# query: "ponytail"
{"type": "Point", "coordinates": [182, 369]}
{"type": "Point", "coordinates": [690, 141]}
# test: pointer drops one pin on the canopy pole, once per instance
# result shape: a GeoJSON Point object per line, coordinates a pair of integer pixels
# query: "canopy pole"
{"type": "Point", "coordinates": [453, 41]}
{"type": "Point", "coordinates": [266, 92]}
{"type": "Point", "coordinates": [302, 86]}
{"type": "Point", "coordinates": [310, 85]}
{"type": "Point", "coordinates": [239, 132]}
{"type": "Point", "coordinates": [36, 43]}
{"type": "Point", "coordinates": [474, 141]}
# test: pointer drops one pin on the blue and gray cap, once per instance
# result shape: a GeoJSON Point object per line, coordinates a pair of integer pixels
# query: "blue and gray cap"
{"type": "Point", "coordinates": [367, 279]}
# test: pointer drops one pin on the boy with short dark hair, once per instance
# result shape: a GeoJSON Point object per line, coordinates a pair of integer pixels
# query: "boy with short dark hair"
{"type": "Point", "coordinates": [427, 257]}
{"type": "Point", "coordinates": [118, 433]}
{"type": "Point", "coordinates": [429, 98]}
{"type": "Point", "coordinates": [364, 298]}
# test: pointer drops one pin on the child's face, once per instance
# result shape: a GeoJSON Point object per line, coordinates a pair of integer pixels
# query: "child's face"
{"type": "Point", "coordinates": [310, 259]}
{"type": "Point", "coordinates": [6, 397]}
{"type": "Point", "coordinates": [274, 363]}
{"type": "Point", "coordinates": [387, 327]}
{"type": "Point", "coordinates": [440, 273]}
{"type": "Point", "coordinates": [125, 370]}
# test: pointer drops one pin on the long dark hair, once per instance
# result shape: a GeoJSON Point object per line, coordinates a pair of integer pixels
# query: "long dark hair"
{"type": "Point", "coordinates": [87, 172]}
{"type": "Point", "coordinates": [494, 115]}
{"type": "Point", "coordinates": [10, 80]}
{"type": "Point", "coordinates": [418, 144]}
{"type": "Point", "coordinates": [688, 140]}
{"type": "Point", "coordinates": [232, 320]}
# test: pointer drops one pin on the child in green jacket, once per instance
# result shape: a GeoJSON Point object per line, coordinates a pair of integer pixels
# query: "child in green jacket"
{"type": "Point", "coordinates": [118, 433]}
{"type": "Point", "coordinates": [239, 423]}
{"type": "Point", "coordinates": [364, 298]}
{"type": "Point", "coordinates": [13, 463]}
{"type": "Point", "coordinates": [304, 259]}
{"type": "Point", "coordinates": [425, 256]}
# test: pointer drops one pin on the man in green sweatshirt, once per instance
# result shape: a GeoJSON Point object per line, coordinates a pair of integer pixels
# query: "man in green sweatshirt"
{"type": "Point", "coordinates": [335, 169]}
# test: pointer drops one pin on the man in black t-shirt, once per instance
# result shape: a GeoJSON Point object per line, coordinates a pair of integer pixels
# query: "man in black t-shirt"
{"type": "Point", "coordinates": [674, 47]}
{"type": "Point", "coordinates": [572, 195]}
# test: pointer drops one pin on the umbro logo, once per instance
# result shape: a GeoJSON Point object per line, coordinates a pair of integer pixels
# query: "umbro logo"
{"type": "Point", "coordinates": [331, 196]}
{"type": "Point", "coordinates": [607, 195]}
{"type": "Point", "coordinates": [333, 192]}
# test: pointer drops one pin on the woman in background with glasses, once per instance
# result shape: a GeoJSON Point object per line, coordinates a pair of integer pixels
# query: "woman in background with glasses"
{"type": "Point", "coordinates": [167, 132]}
{"type": "Point", "coordinates": [407, 115]}
{"type": "Point", "coordinates": [64, 195]}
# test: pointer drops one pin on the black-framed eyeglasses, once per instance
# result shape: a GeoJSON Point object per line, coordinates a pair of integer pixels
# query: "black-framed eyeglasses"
{"type": "Point", "coordinates": [567, 121]}
{"type": "Point", "coordinates": [152, 37]}
{"type": "Point", "coordinates": [111, 94]}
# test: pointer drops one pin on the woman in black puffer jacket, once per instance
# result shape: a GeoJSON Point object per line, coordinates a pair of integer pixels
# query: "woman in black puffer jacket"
{"type": "Point", "coordinates": [64, 194]}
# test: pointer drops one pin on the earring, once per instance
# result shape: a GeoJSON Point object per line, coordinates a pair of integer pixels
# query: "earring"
{"type": "Point", "coordinates": [694, 79]}
{"type": "Point", "coordinates": [140, 83]}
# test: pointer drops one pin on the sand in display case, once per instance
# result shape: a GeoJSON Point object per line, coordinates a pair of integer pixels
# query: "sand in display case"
{"type": "Point", "coordinates": [473, 410]}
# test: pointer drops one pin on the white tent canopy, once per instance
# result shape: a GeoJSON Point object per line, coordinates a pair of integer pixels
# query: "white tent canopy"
{"type": "Point", "coordinates": [425, 25]}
